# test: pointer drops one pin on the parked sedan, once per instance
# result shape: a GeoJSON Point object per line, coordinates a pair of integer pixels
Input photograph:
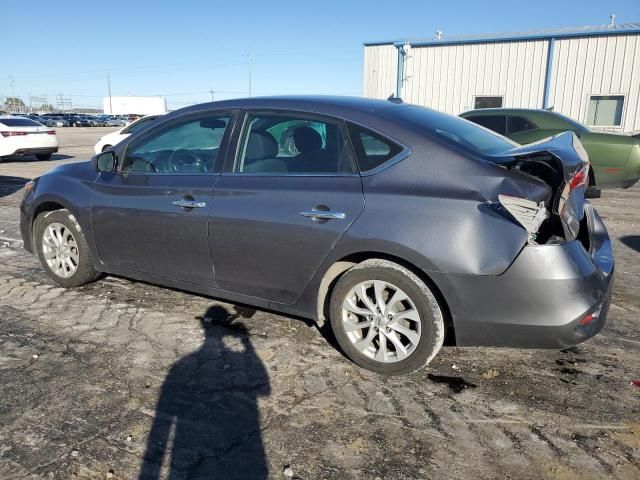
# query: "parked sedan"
{"type": "Point", "coordinates": [398, 224]}
{"type": "Point", "coordinates": [50, 121]}
{"type": "Point", "coordinates": [109, 140]}
{"type": "Point", "coordinates": [23, 136]}
{"type": "Point", "coordinates": [78, 121]}
{"type": "Point", "coordinates": [615, 158]}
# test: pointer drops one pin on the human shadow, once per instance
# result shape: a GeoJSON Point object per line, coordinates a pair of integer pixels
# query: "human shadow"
{"type": "Point", "coordinates": [207, 423]}
{"type": "Point", "coordinates": [631, 241]}
{"type": "Point", "coordinates": [10, 185]}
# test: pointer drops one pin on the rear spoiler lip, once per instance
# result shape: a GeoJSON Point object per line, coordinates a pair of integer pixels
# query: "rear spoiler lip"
{"type": "Point", "coordinates": [565, 146]}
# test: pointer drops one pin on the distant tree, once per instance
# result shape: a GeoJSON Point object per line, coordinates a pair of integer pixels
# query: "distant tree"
{"type": "Point", "coordinates": [13, 104]}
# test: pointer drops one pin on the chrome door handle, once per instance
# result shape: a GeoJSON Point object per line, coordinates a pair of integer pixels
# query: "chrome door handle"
{"type": "Point", "coordinates": [323, 215]}
{"type": "Point", "coordinates": [189, 204]}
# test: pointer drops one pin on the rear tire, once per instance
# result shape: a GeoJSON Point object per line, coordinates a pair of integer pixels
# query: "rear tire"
{"type": "Point", "coordinates": [44, 156]}
{"type": "Point", "coordinates": [63, 250]}
{"type": "Point", "coordinates": [403, 322]}
{"type": "Point", "coordinates": [106, 147]}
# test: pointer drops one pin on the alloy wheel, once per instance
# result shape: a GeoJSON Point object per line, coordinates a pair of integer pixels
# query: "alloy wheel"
{"type": "Point", "coordinates": [381, 321]}
{"type": "Point", "coordinates": [60, 250]}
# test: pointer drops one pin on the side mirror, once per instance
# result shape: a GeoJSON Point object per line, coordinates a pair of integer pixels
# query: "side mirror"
{"type": "Point", "coordinates": [106, 162]}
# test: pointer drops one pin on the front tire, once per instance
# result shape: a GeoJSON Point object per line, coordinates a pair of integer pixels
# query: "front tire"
{"type": "Point", "coordinates": [63, 250]}
{"type": "Point", "coordinates": [385, 318]}
{"type": "Point", "coordinates": [106, 147]}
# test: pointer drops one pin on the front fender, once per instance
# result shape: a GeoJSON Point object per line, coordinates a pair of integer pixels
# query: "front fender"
{"type": "Point", "coordinates": [57, 190]}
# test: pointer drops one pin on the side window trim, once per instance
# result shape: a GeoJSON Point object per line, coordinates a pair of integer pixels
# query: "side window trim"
{"type": "Point", "coordinates": [401, 155]}
{"type": "Point", "coordinates": [135, 139]}
{"type": "Point", "coordinates": [235, 144]}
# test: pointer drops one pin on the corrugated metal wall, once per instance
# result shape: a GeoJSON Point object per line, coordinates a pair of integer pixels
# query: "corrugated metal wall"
{"type": "Point", "coordinates": [448, 77]}
{"type": "Point", "coordinates": [380, 71]}
{"type": "Point", "coordinates": [597, 66]}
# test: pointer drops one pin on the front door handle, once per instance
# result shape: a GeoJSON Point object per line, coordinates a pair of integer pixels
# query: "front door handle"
{"type": "Point", "coordinates": [323, 215]}
{"type": "Point", "coordinates": [189, 204]}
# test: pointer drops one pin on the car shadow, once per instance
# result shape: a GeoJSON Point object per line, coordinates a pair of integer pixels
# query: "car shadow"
{"type": "Point", "coordinates": [631, 241]}
{"type": "Point", "coordinates": [10, 185]}
{"type": "Point", "coordinates": [207, 423]}
{"type": "Point", "coordinates": [32, 158]}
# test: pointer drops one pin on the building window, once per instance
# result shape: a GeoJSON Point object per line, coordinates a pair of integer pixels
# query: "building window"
{"type": "Point", "coordinates": [605, 110]}
{"type": "Point", "coordinates": [487, 102]}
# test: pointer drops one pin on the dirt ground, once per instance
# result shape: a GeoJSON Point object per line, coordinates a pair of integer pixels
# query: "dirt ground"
{"type": "Point", "coordinates": [124, 380]}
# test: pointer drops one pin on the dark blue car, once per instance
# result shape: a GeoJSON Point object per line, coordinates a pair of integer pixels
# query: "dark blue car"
{"type": "Point", "coordinates": [398, 224]}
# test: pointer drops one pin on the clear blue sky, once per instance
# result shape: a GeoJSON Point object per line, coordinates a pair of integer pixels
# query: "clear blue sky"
{"type": "Point", "coordinates": [183, 48]}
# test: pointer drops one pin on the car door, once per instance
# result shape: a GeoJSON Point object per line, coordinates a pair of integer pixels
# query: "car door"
{"type": "Point", "coordinates": [289, 192]}
{"type": "Point", "coordinates": [151, 215]}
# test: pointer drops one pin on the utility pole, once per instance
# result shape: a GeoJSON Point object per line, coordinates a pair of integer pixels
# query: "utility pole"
{"type": "Point", "coordinates": [109, 87]}
{"type": "Point", "coordinates": [212, 92]}
{"type": "Point", "coordinates": [13, 93]}
{"type": "Point", "coordinates": [249, 65]}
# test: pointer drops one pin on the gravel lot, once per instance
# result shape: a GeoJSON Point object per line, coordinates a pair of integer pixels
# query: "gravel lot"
{"type": "Point", "coordinates": [122, 380]}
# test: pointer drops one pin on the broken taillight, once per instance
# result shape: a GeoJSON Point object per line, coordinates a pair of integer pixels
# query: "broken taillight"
{"type": "Point", "coordinates": [570, 203]}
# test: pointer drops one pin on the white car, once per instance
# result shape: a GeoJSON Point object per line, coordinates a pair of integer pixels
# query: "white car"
{"type": "Point", "coordinates": [116, 137]}
{"type": "Point", "coordinates": [23, 136]}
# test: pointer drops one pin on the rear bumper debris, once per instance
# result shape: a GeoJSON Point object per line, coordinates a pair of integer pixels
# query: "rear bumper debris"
{"type": "Point", "coordinates": [552, 296]}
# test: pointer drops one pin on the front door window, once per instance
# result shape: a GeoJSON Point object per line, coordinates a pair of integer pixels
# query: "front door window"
{"type": "Point", "coordinates": [189, 147]}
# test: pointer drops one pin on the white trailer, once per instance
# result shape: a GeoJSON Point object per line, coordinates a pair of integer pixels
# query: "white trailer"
{"type": "Point", "coordinates": [134, 105]}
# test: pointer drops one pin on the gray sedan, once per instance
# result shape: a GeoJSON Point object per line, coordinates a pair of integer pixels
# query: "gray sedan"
{"type": "Point", "coordinates": [399, 225]}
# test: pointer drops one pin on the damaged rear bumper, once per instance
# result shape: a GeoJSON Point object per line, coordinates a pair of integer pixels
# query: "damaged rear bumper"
{"type": "Point", "coordinates": [552, 296]}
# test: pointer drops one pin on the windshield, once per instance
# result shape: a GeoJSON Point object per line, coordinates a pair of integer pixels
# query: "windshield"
{"type": "Point", "coordinates": [457, 130]}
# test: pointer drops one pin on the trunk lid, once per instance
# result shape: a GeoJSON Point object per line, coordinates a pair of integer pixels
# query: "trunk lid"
{"type": "Point", "coordinates": [562, 162]}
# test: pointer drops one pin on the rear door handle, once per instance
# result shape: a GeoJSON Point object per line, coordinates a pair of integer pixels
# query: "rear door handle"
{"type": "Point", "coordinates": [323, 215]}
{"type": "Point", "coordinates": [189, 204]}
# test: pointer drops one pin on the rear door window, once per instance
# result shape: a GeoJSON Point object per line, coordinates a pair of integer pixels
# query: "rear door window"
{"type": "Point", "coordinates": [372, 149]}
{"type": "Point", "coordinates": [292, 144]}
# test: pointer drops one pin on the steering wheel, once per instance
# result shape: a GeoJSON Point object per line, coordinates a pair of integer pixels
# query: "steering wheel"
{"type": "Point", "coordinates": [135, 162]}
{"type": "Point", "coordinates": [185, 161]}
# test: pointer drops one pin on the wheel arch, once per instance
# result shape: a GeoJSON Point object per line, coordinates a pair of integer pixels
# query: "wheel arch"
{"type": "Point", "coordinates": [592, 177]}
{"type": "Point", "coordinates": [341, 266]}
{"type": "Point", "coordinates": [42, 208]}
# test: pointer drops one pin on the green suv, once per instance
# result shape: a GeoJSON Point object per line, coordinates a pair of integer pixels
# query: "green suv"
{"type": "Point", "coordinates": [615, 159]}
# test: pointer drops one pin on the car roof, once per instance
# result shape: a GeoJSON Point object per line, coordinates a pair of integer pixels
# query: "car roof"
{"type": "Point", "coordinates": [324, 104]}
{"type": "Point", "coordinates": [391, 117]}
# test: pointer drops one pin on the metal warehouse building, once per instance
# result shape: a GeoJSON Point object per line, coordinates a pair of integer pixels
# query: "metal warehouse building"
{"type": "Point", "coordinates": [591, 74]}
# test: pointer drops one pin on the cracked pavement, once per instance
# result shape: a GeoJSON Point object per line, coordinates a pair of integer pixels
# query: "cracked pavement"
{"type": "Point", "coordinates": [121, 379]}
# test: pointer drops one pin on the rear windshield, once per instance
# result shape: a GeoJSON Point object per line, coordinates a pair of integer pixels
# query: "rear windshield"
{"type": "Point", "coordinates": [455, 130]}
{"type": "Point", "coordinates": [18, 122]}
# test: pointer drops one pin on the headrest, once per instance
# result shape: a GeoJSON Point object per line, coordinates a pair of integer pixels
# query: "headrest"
{"type": "Point", "coordinates": [261, 145]}
{"type": "Point", "coordinates": [307, 139]}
